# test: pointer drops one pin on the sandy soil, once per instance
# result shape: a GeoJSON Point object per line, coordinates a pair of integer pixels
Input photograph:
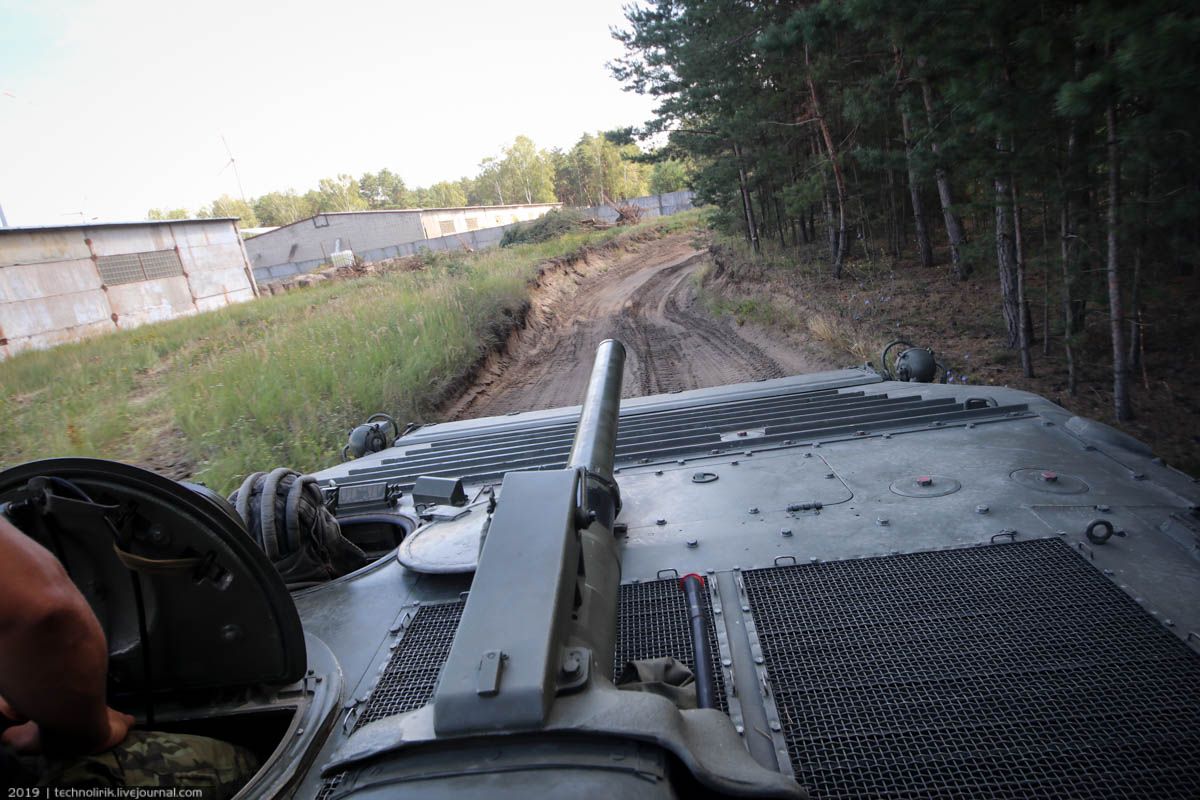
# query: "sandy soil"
{"type": "Point", "coordinates": [644, 296]}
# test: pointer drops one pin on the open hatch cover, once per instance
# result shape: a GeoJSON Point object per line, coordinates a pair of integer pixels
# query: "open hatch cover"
{"type": "Point", "coordinates": [212, 611]}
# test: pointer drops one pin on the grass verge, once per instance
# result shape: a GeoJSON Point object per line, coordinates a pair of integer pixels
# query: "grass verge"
{"type": "Point", "coordinates": [280, 380]}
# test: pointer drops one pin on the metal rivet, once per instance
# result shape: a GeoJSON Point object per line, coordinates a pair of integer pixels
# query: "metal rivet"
{"type": "Point", "coordinates": [746, 609]}
{"type": "Point", "coordinates": [775, 726]}
{"type": "Point", "coordinates": [981, 509]}
{"type": "Point", "coordinates": [881, 521]}
{"type": "Point", "coordinates": [693, 543]}
{"type": "Point", "coordinates": [829, 475]}
{"type": "Point", "coordinates": [1137, 476]}
{"type": "Point", "coordinates": [813, 560]}
{"type": "Point", "coordinates": [660, 521]}
{"type": "Point", "coordinates": [740, 729]}
{"type": "Point", "coordinates": [734, 463]}
{"type": "Point", "coordinates": [726, 662]}
{"type": "Point", "coordinates": [1169, 623]}
{"type": "Point", "coordinates": [808, 455]}
{"type": "Point", "coordinates": [1103, 509]}
{"type": "Point", "coordinates": [1049, 477]}
{"type": "Point", "coordinates": [1108, 572]}
{"type": "Point", "coordinates": [758, 659]}
{"type": "Point", "coordinates": [970, 424]}
{"type": "Point", "coordinates": [658, 472]}
{"type": "Point", "coordinates": [710, 571]}
{"type": "Point", "coordinates": [753, 509]}
{"type": "Point", "coordinates": [785, 532]}
{"type": "Point", "coordinates": [924, 480]}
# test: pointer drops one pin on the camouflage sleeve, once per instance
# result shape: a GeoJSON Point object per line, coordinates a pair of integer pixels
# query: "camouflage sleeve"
{"type": "Point", "coordinates": [153, 759]}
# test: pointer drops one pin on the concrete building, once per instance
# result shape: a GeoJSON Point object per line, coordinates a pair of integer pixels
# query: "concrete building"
{"type": "Point", "coordinates": [64, 283]}
{"type": "Point", "coordinates": [373, 235]}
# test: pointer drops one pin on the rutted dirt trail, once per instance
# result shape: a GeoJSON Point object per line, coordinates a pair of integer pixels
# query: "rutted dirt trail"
{"type": "Point", "coordinates": [643, 295]}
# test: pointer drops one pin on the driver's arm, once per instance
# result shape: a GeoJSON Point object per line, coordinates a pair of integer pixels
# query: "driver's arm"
{"type": "Point", "coordinates": [53, 656]}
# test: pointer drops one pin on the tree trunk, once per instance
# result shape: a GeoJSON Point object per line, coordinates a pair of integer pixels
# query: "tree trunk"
{"type": "Point", "coordinates": [1023, 304]}
{"type": "Point", "coordinates": [1116, 316]}
{"type": "Point", "coordinates": [954, 229]}
{"type": "Point", "coordinates": [924, 249]}
{"type": "Point", "coordinates": [747, 208]}
{"type": "Point", "coordinates": [1006, 262]}
{"type": "Point", "coordinates": [838, 179]}
{"type": "Point", "coordinates": [1045, 277]}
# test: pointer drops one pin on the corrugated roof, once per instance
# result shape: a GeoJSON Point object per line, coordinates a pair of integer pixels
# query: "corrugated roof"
{"type": "Point", "coordinates": [81, 226]}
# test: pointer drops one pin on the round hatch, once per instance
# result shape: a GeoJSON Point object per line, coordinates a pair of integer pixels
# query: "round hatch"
{"type": "Point", "coordinates": [446, 545]}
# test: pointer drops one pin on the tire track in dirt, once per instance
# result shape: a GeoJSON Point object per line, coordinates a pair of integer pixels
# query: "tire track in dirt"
{"type": "Point", "coordinates": [646, 297]}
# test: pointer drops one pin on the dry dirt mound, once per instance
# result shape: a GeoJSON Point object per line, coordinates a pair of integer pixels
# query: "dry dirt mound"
{"type": "Point", "coordinates": [643, 295]}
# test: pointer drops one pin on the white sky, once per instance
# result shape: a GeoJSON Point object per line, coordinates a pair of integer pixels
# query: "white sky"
{"type": "Point", "coordinates": [112, 108]}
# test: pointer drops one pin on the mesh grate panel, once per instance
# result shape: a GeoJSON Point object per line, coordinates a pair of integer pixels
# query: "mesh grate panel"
{"type": "Point", "coordinates": [133, 267]}
{"type": "Point", "coordinates": [652, 622]}
{"type": "Point", "coordinates": [412, 671]}
{"type": "Point", "coordinates": [1013, 670]}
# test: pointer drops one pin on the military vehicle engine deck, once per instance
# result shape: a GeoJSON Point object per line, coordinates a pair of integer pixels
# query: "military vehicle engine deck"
{"type": "Point", "coordinates": [882, 589]}
{"type": "Point", "coordinates": [903, 598]}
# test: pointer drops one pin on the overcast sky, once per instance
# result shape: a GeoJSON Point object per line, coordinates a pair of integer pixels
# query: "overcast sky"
{"type": "Point", "coordinates": [112, 108]}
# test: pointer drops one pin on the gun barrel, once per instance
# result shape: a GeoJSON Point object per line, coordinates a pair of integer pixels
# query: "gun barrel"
{"type": "Point", "coordinates": [596, 437]}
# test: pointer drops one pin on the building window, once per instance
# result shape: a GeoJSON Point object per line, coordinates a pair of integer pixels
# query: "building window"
{"type": "Point", "coordinates": [472, 223]}
{"type": "Point", "coordinates": [134, 267]}
{"type": "Point", "coordinates": [447, 227]}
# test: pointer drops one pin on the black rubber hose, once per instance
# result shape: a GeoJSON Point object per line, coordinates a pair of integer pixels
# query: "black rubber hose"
{"type": "Point", "coordinates": [706, 692]}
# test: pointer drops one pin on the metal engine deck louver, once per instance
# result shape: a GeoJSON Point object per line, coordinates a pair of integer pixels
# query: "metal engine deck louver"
{"type": "Point", "coordinates": [1008, 671]}
{"type": "Point", "coordinates": [667, 434]}
{"type": "Point", "coordinates": [652, 622]}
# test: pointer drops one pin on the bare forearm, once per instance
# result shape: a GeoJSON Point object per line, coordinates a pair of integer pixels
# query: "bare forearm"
{"type": "Point", "coordinates": [53, 655]}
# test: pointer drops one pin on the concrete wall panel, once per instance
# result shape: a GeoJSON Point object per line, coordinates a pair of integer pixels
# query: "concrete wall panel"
{"type": "Point", "coordinates": [28, 281]}
{"type": "Point", "coordinates": [200, 235]}
{"type": "Point", "coordinates": [221, 300]}
{"type": "Point", "coordinates": [132, 239]}
{"type": "Point", "coordinates": [150, 301]}
{"type": "Point", "coordinates": [39, 315]}
{"type": "Point", "coordinates": [51, 338]}
{"type": "Point", "coordinates": [40, 247]}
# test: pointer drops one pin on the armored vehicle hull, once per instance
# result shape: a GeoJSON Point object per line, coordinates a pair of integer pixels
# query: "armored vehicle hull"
{"type": "Point", "coordinates": [887, 589]}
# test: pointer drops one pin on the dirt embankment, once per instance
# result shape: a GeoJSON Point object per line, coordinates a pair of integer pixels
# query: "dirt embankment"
{"type": "Point", "coordinates": [642, 293]}
{"type": "Point", "coordinates": [793, 293]}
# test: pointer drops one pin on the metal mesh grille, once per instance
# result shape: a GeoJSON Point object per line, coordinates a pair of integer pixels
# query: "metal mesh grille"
{"type": "Point", "coordinates": [134, 267]}
{"type": "Point", "coordinates": [1013, 670]}
{"type": "Point", "coordinates": [412, 671]}
{"type": "Point", "coordinates": [161, 264]}
{"type": "Point", "coordinates": [652, 622]}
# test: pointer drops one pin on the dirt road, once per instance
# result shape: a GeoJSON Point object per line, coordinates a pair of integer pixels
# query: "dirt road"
{"type": "Point", "coordinates": [646, 297]}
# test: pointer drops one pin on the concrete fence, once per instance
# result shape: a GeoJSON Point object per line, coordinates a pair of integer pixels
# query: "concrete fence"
{"type": "Point", "coordinates": [658, 205]}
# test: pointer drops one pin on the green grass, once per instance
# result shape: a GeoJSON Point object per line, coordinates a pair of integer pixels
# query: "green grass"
{"type": "Point", "coordinates": [277, 381]}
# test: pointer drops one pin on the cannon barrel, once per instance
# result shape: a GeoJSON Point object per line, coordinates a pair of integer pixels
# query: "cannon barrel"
{"type": "Point", "coordinates": [596, 435]}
